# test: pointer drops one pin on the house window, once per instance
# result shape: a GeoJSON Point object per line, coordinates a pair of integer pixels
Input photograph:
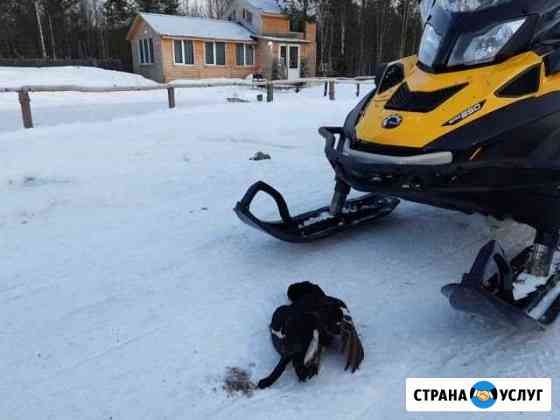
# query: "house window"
{"type": "Point", "coordinates": [247, 16]}
{"type": "Point", "coordinates": [294, 57]}
{"type": "Point", "coordinates": [215, 53]}
{"type": "Point", "coordinates": [220, 53]}
{"type": "Point", "coordinates": [184, 52]}
{"type": "Point", "coordinates": [249, 55]}
{"type": "Point", "coordinates": [209, 52]}
{"type": "Point", "coordinates": [146, 51]}
{"type": "Point", "coordinates": [178, 48]}
{"type": "Point", "coordinates": [284, 55]}
{"type": "Point", "coordinates": [245, 54]}
{"type": "Point", "coordinates": [240, 54]}
{"type": "Point", "coordinates": [188, 50]}
{"type": "Point", "coordinates": [141, 50]}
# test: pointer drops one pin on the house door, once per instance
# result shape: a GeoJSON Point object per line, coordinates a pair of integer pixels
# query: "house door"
{"type": "Point", "coordinates": [290, 61]}
{"type": "Point", "coordinates": [294, 63]}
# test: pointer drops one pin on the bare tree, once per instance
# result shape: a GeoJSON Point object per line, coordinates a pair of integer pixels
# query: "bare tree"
{"type": "Point", "coordinates": [362, 50]}
{"type": "Point", "coordinates": [194, 8]}
{"type": "Point", "coordinates": [381, 15]}
{"type": "Point", "coordinates": [217, 9]}
{"type": "Point", "coordinates": [405, 13]}
{"type": "Point", "coordinates": [40, 26]}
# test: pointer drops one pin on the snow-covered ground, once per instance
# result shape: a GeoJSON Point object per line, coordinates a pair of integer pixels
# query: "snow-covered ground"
{"type": "Point", "coordinates": [13, 77]}
{"type": "Point", "coordinates": [62, 108]}
{"type": "Point", "coordinates": [128, 286]}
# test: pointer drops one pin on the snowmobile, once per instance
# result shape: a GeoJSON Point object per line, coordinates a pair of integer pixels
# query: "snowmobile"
{"type": "Point", "coordinates": [471, 124]}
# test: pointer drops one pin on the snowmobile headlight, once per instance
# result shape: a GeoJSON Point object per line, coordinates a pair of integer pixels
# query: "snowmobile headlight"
{"type": "Point", "coordinates": [458, 6]}
{"type": "Point", "coordinates": [483, 47]}
{"type": "Point", "coordinates": [429, 46]}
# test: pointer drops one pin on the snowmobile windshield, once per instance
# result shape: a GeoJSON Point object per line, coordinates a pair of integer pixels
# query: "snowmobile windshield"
{"type": "Point", "coordinates": [425, 9]}
{"type": "Point", "coordinates": [466, 33]}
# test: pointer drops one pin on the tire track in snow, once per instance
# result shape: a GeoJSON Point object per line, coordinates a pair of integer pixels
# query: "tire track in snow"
{"type": "Point", "coordinates": [97, 356]}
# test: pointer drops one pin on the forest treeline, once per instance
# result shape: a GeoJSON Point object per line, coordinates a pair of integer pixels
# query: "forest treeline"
{"type": "Point", "coordinates": [353, 35]}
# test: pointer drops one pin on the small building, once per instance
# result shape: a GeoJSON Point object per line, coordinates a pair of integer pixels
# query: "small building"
{"type": "Point", "coordinates": [255, 39]}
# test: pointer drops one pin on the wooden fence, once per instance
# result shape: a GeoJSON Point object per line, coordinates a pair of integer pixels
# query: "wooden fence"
{"type": "Point", "coordinates": [329, 89]}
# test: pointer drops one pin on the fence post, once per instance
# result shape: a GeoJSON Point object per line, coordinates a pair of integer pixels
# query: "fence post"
{"type": "Point", "coordinates": [171, 97]}
{"type": "Point", "coordinates": [326, 89]}
{"type": "Point", "coordinates": [25, 102]}
{"type": "Point", "coordinates": [332, 90]}
{"type": "Point", "coordinates": [269, 92]}
{"type": "Point", "coordinates": [358, 89]}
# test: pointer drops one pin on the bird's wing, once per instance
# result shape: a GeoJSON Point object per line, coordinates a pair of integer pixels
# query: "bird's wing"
{"type": "Point", "coordinates": [351, 344]}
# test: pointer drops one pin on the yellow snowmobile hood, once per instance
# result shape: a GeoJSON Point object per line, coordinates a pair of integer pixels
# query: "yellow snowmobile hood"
{"type": "Point", "coordinates": [476, 94]}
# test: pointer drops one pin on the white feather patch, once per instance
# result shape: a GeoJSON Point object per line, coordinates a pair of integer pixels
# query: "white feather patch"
{"type": "Point", "coordinates": [278, 334]}
{"type": "Point", "coordinates": [312, 349]}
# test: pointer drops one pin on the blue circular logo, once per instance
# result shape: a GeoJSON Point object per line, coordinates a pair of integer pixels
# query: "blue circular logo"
{"type": "Point", "coordinates": [484, 394]}
{"type": "Point", "coordinates": [392, 121]}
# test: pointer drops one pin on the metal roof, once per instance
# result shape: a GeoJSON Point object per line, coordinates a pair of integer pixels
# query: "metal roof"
{"type": "Point", "coordinates": [196, 27]}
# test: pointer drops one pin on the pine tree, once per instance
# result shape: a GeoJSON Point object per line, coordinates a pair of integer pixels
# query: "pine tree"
{"type": "Point", "coordinates": [170, 7]}
{"type": "Point", "coordinates": [300, 11]}
{"type": "Point", "coordinates": [117, 12]}
{"type": "Point", "coordinates": [150, 6]}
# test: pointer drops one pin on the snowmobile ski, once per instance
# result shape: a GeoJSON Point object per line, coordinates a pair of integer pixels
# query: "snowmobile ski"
{"type": "Point", "coordinates": [488, 291]}
{"type": "Point", "coordinates": [316, 224]}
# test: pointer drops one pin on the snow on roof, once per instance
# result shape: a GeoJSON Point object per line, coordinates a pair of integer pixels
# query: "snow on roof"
{"type": "Point", "coordinates": [281, 39]}
{"type": "Point", "coordinates": [267, 6]}
{"type": "Point", "coordinates": [186, 26]}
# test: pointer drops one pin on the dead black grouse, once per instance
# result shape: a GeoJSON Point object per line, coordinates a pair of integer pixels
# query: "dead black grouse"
{"type": "Point", "coordinates": [312, 322]}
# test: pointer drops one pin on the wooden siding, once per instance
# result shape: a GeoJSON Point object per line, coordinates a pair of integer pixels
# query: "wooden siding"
{"type": "Point", "coordinates": [275, 24]}
{"type": "Point", "coordinates": [151, 71]}
{"type": "Point", "coordinates": [200, 70]}
{"type": "Point", "coordinates": [310, 50]}
{"type": "Point", "coordinates": [264, 58]}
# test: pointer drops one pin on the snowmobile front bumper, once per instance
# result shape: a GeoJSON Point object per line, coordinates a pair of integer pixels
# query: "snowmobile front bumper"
{"type": "Point", "coordinates": [524, 190]}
